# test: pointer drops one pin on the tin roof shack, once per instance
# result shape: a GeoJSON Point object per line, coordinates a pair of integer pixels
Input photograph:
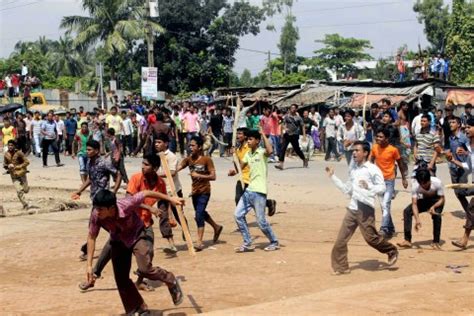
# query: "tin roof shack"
{"type": "Point", "coordinates": [459, 95]}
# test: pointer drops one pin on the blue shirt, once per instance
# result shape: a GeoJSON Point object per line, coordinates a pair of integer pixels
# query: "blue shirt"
{"type": "Point", "coordinates": [49, 128]}
{"type": "Point", "coordinates": [456, 141]}
{"type": "Point", "coordinates": [71, 126]}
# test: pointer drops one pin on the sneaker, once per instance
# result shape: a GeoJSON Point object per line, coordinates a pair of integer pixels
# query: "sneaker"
{"type": "Point", "coordinates": [341, 272]}
{"type": "Point", "coordinates": [176, 293]}
{"type": "Point", "coordinates": [392, 258]}
{"type": "Point", "coordinates": [170, 250]}
{"type": "Point", "coordinates": [272, 247]}
{"type": "Point", "coordinates": [272, 207]}
{"type": "Point", "coordinates": [404, 244]}
{"type": "Point", "coordinates": [59, 165]}
{"type": "Point", "coordinates": [245, 248]}
{"type": "Point", "coordinates": [279, 167]}
{"type": "Point", "coordinates": [436, 246]}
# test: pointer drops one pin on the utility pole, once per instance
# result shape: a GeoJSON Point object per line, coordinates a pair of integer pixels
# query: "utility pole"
{"type": "Point", "coordinates": [149, 38]}
{"type": "Point", "coordinates": [269, 68]}
{"type": "Point", "coordinates": [230, 69]}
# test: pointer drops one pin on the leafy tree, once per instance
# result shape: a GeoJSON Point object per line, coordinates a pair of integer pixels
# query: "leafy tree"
{"type": "Point", "coordinates": [246, 78]}
{"type": "Point", "coordinates": [435, 16]}
{"type": "Point", "coordinates": [460, 42]}
{"type": "Point", "coordinates": [65, 60]}
{"type": "Point", "coordinates": [111, 23]}
{"type": "Point", "coordinates": [340, 53]}
{"type": "Point", "coordinates": [288, 39]}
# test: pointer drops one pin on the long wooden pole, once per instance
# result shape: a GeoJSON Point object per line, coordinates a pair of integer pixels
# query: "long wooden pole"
{"type": "Point", "coordinates": [234, 142]}
{"type": "Point", "coordinates": [182, 219]}
{"type": "Point", "coordinates": [363, 112]}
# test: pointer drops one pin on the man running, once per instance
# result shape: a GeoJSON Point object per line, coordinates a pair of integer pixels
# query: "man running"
{"type": "Point", "coordinates": [128, 236]}
{"type": "Point", "coordinates": [385, 156]}
{"type": "Point", "coordinates": [255, 196]}
{"type": "Point", "coordinates": [364, 184]}
{"type": "Point", "coordinates": [15, 162]}
{"type": "Point", "coordinates": [202, 173]}
{"type": "Point", "coordinates": [79, 149]}
{"type": "Point", "coordinates": [242, 151]}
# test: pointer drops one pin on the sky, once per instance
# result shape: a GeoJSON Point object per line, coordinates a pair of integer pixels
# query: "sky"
{"type": "Point", "coordinates": [388, 24]}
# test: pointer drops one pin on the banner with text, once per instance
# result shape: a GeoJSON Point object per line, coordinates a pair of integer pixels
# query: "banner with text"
{"type": "Point", "coordinates": [150, 83]}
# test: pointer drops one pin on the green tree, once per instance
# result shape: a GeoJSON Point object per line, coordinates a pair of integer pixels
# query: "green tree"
{"type": "Point", "coordinates": [288, 39]}
{"type": "Point", "coordinates": [246, 78]}
{"type": "Point", "coordinates": [460, 42]}
{"type": "Point", "coordinates": [65, 60]}
{"type": "Point", "coordinates": [340, 53]}
{"type": "Point", "coordinates": [435, 16]}
{"type": "Point", "coordinates": [111, 23]}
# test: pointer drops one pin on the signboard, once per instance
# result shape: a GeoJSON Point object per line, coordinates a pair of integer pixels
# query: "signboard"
{"type": "Point", "coordinates": [150, 83]}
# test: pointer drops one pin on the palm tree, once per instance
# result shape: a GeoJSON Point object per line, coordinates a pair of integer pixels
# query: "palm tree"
{"type": "Point", "coordinates": [111, 23]}
{"type": "Point", "coordinates": [65, 60]}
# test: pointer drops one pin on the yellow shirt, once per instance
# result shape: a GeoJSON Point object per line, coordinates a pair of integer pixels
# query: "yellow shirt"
{"type": "Point", "coordinates": [7, 134]}
{"type": "Point", "coordinates": [241, 152]}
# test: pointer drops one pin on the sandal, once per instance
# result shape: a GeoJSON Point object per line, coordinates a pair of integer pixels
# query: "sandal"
{"type": "Point", "coordinates": [458, 244]}
{"type": "Point", "coordinates": [84, 286]}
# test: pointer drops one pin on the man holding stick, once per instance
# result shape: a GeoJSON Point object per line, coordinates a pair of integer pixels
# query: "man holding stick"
{"type": "Point", "coordinates": [365, 183]}
{"type": "Point", "coordinates": [255, 195]}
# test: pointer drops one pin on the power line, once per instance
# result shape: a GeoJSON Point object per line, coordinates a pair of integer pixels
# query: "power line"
{"type": "Point", "coordinates": [20, 6]}
{"type": "Point", "coordinates": [357, 24]}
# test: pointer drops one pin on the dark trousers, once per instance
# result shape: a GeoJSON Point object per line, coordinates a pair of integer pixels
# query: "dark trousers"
{"type": "Point", "coordinates": [200, 202]}
{"type": "Point", "coordinates": [332, 148]}
{"type": "Point", "coordinates": [459, 175]}
{"type": "Point", "coordinates": [69, 141]}
{"type": "Point", "coordinates": [423, 206]}
{"type": "Point", "coordinates": [127, 144]}
{"type": "Point", "coordinates": [120, 165]}
{"type": "Point", "coordinates": [364, 218]}
{"type": "Point", "coordinates": [181, 137]}
{"type": "Point", "coordinates": [165, 227]}
{"type": "Point", "coordinates": [122, 261]}
{"type": "Point", "coordinates": [239, 191]}
{"type": "Point", "coordinates": [293, 140]}
{"type": "Point", "coordinates": [22, 142]}
{"type": "Point", "coordinates": [45, 144]}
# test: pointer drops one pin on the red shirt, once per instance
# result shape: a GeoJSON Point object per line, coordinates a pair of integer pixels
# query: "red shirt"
{"type": "Point", "coordinates": [15, 81]}
{"type": "Point", "coordinates": [138, 183]}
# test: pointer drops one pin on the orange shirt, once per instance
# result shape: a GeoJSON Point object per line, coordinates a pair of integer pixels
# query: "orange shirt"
{"type": "Point", "coordinates": [385, 159]}
{"type": "Point", "coordinates": [138, 183]}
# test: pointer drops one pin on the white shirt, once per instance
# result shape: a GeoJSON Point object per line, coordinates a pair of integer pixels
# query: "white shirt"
{"type": "Point", "coordinates": [60, 126]}
{"type": "Point", "coordinates": [330, 126]}
{"type": "Point", "coordinates": [368, 172]}
{"type": "Point", "coordinates": [24, 70]}
{"type": "Point", "coordinates": [8, 81]}
{"type": "Point", "coordinates": [416, 125]}
{"type": "Point", "coordinates": [316, 117]}
{"type": "Point", "coordinates": [436, 189]}
{"type": "Point", "coordinates": [356, 132]}
{"type": "Point", "coordinates": [173, 165]}
{"type": "Point", "coordinates": [36, 126]}
{"type": "Point", "coordinates": [127, 126]}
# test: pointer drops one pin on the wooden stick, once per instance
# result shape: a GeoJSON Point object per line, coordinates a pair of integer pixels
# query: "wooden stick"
{"type": "Point", "coordinates": [182, 219]}
{"type": "Point", "coordinates": [234, 141]}
{"type": "Point", "coordinates": [459, 186]}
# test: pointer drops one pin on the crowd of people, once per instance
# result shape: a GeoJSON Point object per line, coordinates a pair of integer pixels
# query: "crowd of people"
{"type": "Point", "coordinates": [374, 145]}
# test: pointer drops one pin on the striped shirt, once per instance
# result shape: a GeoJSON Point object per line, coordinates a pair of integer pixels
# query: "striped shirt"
{"type": "Point", "coordinates": [425, 145]}
{"type": "Point", "coordinates": [49, 129]}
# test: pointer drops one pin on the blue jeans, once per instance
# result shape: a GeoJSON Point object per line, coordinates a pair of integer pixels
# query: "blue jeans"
{"type": "Point", "coordinates": [257, 201]}
{"type": "Point", "coordinates": [387, 223]}
{"type": "Point", "coordinates": [276, 143]}
{"type": "Point", "coordinates": [200, 203]}
{"type": "Point", "coordinates": [82, 164]}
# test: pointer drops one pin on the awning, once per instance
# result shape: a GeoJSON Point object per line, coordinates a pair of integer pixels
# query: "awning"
{"type": "Point", "coordinates": [460, 96]}
{"type": "Point", "coordinates": [357, 100]}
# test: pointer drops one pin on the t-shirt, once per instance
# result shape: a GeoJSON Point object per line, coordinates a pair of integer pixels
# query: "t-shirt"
{"type": "Point", "coordinates": [275, 125]}
{"type": "Point", "coordinates": [216, 124]}
{"type": "Point", "coordinates": [115, 122]}
{"type": "Point", "coordinates": [241, 152]}
{"type": "Point", "coordinates": [425, 145]}
{"type": "Point", "coordinates": [266, 122]}
{"type": "Point", "coordinates": [253, 122]}
{"type": "Point", "coordinates": [385, 158]}
{"type": "Point", "coordinates": [8, 134]}
{"type": "Point", "coordinates": [257, 162]}
{"type": "Point", "coordinates": [36, 126]}
{"type": "Point", "coordinates": [126, 226]}
{"type": "Point", "coordinates": [100, 171]}
{"type": "Point", "coordinates": [190, 122]}
{"type": "Point", "coordinates": [138, 183]}
{"type": "Point", "coordinates": [60, 127]}
{"type": "Point", "coordinates": [49, 129]}
{"type": "Point", "coordinates": [292, 124]}
{"type": "Point", "coordinates": [172, 160]}
{"type": "Point", "coordinates": [82, 140]}
{"type": "Point", "coordinates": [227, 124]}
{"type": "Point", "coordinates": [202, 165]}
{"type": "Point", "coordinates": [71, 126]}
{"type": "Point", "coordinates": [436, 189]}
{"type": "Point", "coordinates": [330, 126]}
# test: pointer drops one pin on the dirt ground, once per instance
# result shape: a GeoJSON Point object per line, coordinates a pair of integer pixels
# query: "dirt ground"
{"type": "Point", "coordinates": [40, 269]}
